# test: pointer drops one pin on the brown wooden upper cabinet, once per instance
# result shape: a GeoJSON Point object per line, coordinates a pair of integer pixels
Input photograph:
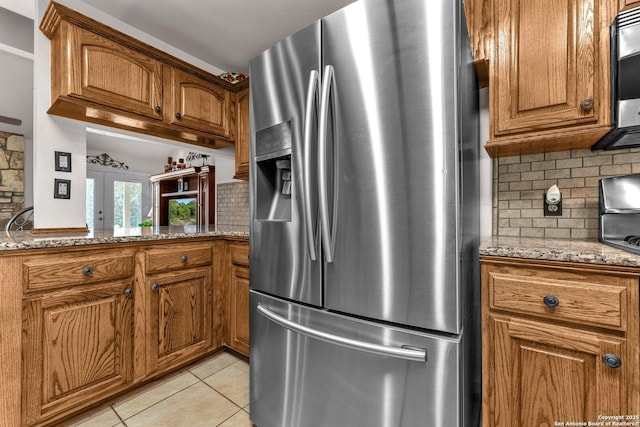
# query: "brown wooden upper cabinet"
{"type": "Point", "coordinates": [103, 76]}
{"type": "Point", "coordinates": [548, 72]}
{"type": "Point", "coordinates": [242, 135]}
{"type": "Point", "coordinates": [198, 104]}
{"type": "Point", "coordinates": [628, 4]}
{"type": "Point", "coordinates": [99, 61]}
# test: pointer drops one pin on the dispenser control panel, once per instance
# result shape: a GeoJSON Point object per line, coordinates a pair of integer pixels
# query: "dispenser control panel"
{"type": "Point", "coordinates": [273, 140]}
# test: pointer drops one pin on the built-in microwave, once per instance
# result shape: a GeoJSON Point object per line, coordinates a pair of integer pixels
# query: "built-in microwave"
{"type": "Point", "coordinates": [625, 83]}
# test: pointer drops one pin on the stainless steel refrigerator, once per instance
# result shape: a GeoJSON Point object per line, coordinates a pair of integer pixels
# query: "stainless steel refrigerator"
{"type": "Point", "coordinates": [364, 221]}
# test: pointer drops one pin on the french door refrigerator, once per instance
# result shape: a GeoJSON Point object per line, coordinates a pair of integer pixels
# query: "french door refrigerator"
{"type": "Point", "coordinates": [364, 221]}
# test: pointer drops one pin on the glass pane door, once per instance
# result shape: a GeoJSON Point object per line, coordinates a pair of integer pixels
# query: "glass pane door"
{"type": "Point", "coordinates": [127, 204]}
{"type": "Point", "coordinates": [116, 200]}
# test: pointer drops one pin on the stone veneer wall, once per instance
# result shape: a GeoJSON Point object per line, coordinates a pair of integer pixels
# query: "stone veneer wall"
{"type": "Point", "coordinates": [520, 182]}
{"type": "Point", "coordinates": [233, 204]}
{"type": "Point", "coordinates": [11, 176]}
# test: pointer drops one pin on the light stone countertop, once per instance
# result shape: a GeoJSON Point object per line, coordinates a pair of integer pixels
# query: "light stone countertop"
{"type": "Point", "coordinates": [568, 250]}
{"type": "Point", "coordinates": [28, 240]}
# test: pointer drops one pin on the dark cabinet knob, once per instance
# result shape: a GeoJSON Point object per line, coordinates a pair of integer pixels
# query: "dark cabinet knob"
{"type": "Point", "coordinates": [612, 361]}
{"type": "Point", "coordinates": [87, 271]}
{"type": "Point", "coordinates": [128, 292]}
{"type": "Point", "coordinates": [155, 287]}
{"type": "Point", "coordinates": [184, 258]}
{"type": "Point", "coordinates": [587, 105]}
{"type": "Point", "coordinates": [550, 301]}
{"type": "Point", "coordinates": [158, 109]}
{"type": "Point", "coordinates": [178, 116]}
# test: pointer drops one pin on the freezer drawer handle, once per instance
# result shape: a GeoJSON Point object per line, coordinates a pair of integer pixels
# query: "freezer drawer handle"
{"type": "Point", "coordinates": [405, 352]}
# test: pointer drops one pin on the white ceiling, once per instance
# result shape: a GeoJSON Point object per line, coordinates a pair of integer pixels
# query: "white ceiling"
{"type": "Point", "coordinates": [226, 34]}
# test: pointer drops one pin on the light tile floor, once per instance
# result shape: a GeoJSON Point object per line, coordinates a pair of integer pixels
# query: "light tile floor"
{"type": "Point", "coordinates": [212, 393]}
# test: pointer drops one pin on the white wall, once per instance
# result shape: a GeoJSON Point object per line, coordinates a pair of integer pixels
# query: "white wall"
{"type": "Point", "coordinates": [486, 170]}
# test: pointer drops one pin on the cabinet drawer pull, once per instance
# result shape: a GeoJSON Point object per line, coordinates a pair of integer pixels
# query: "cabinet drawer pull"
{"type": "Point", "coordinates": [155, 287]}
{"type": "Point", "coordinates": [551, 301]}
{"type": "Point", "coordinates": [612, 361]}
{"type": "Point", "coordinates": [184, 258]}
{"type": "Point", "coordinates": [128, 293]}
{"type": "Point", "coordinates": [586, 105]}
{"type": "Point", "coordinates": [178, 116]}
{"type": "Point", "coordinates": [87, 271]}
{"type": "Point", "coordinates": [158, 109]}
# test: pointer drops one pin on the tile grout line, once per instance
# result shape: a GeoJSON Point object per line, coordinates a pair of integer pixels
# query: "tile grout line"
{"type": "Point", "coordinates": [122, 421]}
{"type": "Point", "coordinates": [162, 400]}
{"type": "Point", "coordinates": [231, 416]}
{"type": "Point", "coordinates": [217, 391]}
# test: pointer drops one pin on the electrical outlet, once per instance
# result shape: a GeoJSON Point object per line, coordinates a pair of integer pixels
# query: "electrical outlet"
{"type": "Point", "coordinates": [552, 209]}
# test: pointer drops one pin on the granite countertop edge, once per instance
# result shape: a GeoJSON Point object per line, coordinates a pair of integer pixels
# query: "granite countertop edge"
{"type": "Point", "coordinates": [565, 250]}
{"type": "Point", "coordinates": [28, 240]}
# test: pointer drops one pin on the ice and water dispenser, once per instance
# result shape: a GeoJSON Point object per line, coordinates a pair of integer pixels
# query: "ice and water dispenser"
{"type": "Point", "coordinates": [273, 173]}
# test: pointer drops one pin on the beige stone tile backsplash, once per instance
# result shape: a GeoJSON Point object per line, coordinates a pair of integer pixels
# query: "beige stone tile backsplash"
{"type": "Point", "coordinates": [233, 203]}
{"type": "Point", "coordinates": [520, 182]}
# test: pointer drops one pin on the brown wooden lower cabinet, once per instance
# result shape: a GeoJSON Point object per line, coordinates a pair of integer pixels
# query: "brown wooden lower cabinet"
{"type": "Point", "coordinates": [239, 298]}
{"type": "Point", "coordinates": [77, 348]}
{"type": "Point", "coordinates": [103, 326]}
{"type": "Point", "coordinates": [543, 364]}
{"type": "Point", "coordinates": [180, 317]}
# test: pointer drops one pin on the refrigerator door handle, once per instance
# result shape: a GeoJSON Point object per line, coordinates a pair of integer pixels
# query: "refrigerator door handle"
{"type": "Point", "coordinates": [311, 107]}
{"type": "Point", "coordinates": [404, 352]}
{"type": "Point", "coordinates": [327, 232]}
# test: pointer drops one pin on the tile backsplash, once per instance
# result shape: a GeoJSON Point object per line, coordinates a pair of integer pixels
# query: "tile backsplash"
{"type": "Point", "coordinates": [519, 184]}
{"type": "Point", "coordinates": [233, 203]}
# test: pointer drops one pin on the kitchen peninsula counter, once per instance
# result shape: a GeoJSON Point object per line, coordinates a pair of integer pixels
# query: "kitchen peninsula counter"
{"type": "Point", "coordinates": [27, 240]}
{"type": "Point", "coordinates": [144, 305]}
{"type": "Point", "coordinates": [563, 250]}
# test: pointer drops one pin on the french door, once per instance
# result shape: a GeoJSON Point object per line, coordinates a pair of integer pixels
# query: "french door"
{"type": "Point", "coordinates": [117, 200]}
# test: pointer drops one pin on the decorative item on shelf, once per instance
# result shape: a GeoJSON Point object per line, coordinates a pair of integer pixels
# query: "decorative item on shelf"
{"type": "Point", "coordinates": [185, 183]}
{"type": "Point", "coordinates": [105, 160]}
{"type": "Point", "coordinates": [63, 161]}
{"type": "Point", "coordinates": [233, 77]}
{"type": "Point", "coordinates": [180, 185]}
{"type": "Point", "coordinates": [194, 156]}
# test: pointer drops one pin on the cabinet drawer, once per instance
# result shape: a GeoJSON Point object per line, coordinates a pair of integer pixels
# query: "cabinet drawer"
{"type": "Point", "coordinates": [239, 253]}
{"type": "Point", "coordinates": [46, 272]}
{"type": "Point", "coordinates": [596, 304]}
{"type": "Point", "coordinates": [177, 257]}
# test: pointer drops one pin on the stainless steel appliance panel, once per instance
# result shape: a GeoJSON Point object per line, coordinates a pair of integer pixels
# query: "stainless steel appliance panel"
{"type": "Point", "coordinates": [281, 242]}
{"type": "Point", "coordinates": [299, 379]}
{"type": "Point", "coordinates": [390, 71]}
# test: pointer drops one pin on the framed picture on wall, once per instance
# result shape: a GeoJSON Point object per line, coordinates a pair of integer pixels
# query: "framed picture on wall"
{"type": "Point", "coordinates": [62, 189]}
{"type": "Point", "coordinates": [63, 161]}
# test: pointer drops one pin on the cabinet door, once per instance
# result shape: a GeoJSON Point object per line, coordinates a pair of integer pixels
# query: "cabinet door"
{"type": "Point", "coordinates": [546, 65]}
{"type": "Point", "coordinates": [108, 73]}
{"type": "Point", "coordinates": [539, 374]}
{"type": "Point", "coordinates": [239, 316]}
{"type": "Point", "coordinates": [198, 104]}
{"type": "Point", "coordinates": [629, 4]}
{"type": "Point", "coordinates": [242, 135]}
{"type": "Point", "coordinates": [181, 317]}
{"type": "Point", "coordinates": [77, 348]}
